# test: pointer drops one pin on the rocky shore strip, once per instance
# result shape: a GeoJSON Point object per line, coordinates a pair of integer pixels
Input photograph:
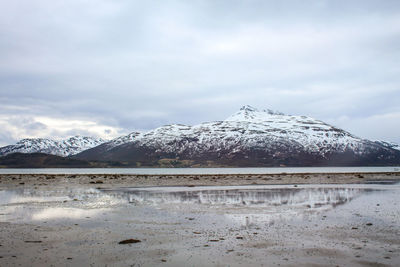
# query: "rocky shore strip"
{"type": "Point", "coordinates": [194, 179]}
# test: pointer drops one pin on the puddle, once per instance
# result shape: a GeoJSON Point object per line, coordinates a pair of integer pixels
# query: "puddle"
{"type": "Point", "coordinates": [246, 205]}
{"type": "Point", "coordinates": [27, 204]}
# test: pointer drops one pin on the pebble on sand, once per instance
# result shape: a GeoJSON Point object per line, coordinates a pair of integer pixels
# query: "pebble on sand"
{"type": "Point", "coordinates": [129, 241]}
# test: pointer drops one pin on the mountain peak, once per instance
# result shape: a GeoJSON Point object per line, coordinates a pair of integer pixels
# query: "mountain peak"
{"type": "Point", "coordinates": [249, 108]}
{"type": "Point", "coordinates": [252, 114]}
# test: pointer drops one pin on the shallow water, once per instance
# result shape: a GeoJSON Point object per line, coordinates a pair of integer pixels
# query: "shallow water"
{"type": "Point", "coordinates": [31, 204]}
{"type": "Point", "coordinates": [170, 171]}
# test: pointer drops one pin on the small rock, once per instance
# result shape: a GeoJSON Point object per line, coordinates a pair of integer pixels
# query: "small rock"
{"type": "Point", "coordinates": [239, 237]}
{"type": "Point", "coordinates": [129, 241]}
{"type": "Point", "coordinates": [369, 224]}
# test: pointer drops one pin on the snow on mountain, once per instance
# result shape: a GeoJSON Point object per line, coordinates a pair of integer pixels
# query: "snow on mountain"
{"type": "Point", "coordinates": [388, 144]}
{"type": "Point", "coordinates": [67, 147]}
{"type": "Point", "coordinates": [311, 134]}
{"type": "Point", "coordinates": [121, 140]}
{"type": "Point", "coordinates": [251, 128]}
{"type": "Point", "coordinates": [262, 137]}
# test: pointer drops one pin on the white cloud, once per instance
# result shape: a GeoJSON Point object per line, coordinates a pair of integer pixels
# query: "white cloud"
{"type": "Point", "coordinates": [19, 127]}
{"type": "Point", "coordinates": [381, 127]}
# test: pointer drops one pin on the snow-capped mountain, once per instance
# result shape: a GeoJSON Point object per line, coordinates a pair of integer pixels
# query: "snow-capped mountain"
{"type": "Point", "coordinates": [250, 137]}
{"type": "Point", "coordinates": [67, 147]}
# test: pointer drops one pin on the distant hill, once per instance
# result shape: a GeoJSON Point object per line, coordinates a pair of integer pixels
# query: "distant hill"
{"type": "Point", "coordinates": [40, 160]}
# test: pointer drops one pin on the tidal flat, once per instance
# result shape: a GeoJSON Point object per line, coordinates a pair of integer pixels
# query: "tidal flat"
{"type": "Point", "coordinates": [346, 219]}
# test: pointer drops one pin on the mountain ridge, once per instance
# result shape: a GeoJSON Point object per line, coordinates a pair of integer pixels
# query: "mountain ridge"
{"type": "Point", "coordinates": [249, 137]}
{"type": "Point", "coordinates": [66, 147]}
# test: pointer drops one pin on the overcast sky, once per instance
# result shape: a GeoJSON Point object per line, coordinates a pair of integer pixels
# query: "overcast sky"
{"type": "Point", "coordinates": [106, 68]}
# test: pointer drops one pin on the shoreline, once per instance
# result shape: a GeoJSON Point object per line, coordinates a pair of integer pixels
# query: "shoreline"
{"type": "Point", "coordinates": [120, 180]}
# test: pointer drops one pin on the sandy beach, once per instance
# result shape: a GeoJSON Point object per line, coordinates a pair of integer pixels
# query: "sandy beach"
{"type": "Point", "coordinates": [335, 219]}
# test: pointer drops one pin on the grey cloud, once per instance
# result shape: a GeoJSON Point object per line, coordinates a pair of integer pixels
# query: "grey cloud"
{"type": "Point", "coordinates": [142, 64]}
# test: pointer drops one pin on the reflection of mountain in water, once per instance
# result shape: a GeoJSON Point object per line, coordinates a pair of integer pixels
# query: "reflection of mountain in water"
{"type": "Point", "coordinates": [312, 197]}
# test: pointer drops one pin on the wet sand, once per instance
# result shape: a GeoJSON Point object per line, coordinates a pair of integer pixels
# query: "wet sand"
{"type": "Point", "coordinates": [63, 220]}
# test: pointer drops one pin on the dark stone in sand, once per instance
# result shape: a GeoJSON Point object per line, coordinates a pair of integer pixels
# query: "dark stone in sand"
{"type": "Point", "coordinates": [239, 237]}
{"type": "Point", "coordinates": [354, 228]}
{"type": "Point", "coordinates": [369, 224]}
{"type": "Point", "coordinates": [33, 241]}
{"type": "Point", "coordinates": [129, 241]}
{"type": "Point", "coordinates": [197, 233]}
{"type": "Point", "coordinates": [214, 240]}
